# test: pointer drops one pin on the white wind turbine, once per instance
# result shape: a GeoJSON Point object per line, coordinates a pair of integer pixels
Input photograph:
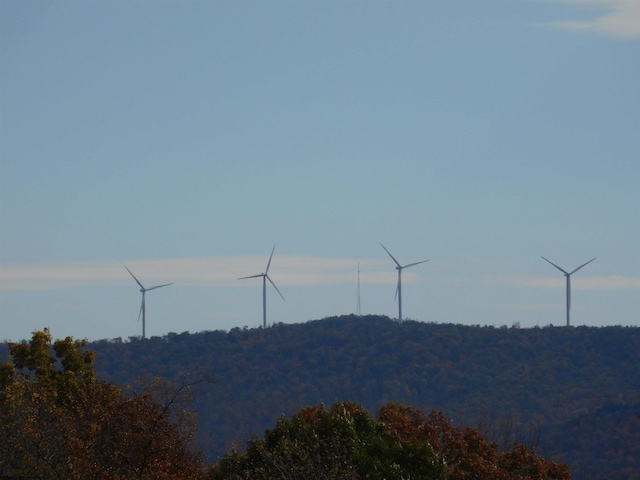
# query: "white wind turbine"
{"type": "Point", "coordinates": [568, 276]}
{"type": "Point", "coordinates": [399, 287]}
{"type": "Point", "coordinates": [142, 306]}
{"type": "Point", "coordinates": [265, 277]}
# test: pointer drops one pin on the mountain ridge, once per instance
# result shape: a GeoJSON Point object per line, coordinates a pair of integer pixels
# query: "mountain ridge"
{"type": "Point", "coordinates": [552, 386]}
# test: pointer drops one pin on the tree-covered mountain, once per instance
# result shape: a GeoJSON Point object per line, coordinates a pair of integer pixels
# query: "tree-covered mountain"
{"type": "Point", "coordinates": [59, 420]}
{"type": "Point", "coordinates": [604, 443]}
{"type": "Point", "coordinates": [574, 393]}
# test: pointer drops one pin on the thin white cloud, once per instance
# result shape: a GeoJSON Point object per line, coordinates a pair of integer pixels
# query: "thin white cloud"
{"type": "Point", "coordinates": [203, 271]}
{"type": "Point", "coordinates": [608, 282]}
{"type": "Point", "coordinates": [612, 18]}
{"type": "Point", "coordinates": [284, 271]}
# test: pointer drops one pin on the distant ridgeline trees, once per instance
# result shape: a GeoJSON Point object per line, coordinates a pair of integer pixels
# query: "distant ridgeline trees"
{"type": "Point", "coordinates": [573, 393]}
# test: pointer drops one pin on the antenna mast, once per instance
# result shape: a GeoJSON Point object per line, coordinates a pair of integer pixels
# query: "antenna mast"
{"type": "Point", "coordinates": [358, 309]}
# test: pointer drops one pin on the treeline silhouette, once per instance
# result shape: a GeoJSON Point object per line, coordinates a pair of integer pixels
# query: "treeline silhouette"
{"type": "Point", "coordinates": [572, 393]}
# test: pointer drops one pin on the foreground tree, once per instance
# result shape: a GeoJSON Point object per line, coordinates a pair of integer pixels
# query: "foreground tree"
{"type": "Point", "coordinates": [345, 442]}
{"type": "Point", "coordinates": [468, 455]}
{"type": "Point", "coordinates": [57, 420]}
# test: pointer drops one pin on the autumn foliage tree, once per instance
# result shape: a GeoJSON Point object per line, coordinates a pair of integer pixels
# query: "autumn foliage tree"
{"type": "Point", "coordinates": [467, 454]}
{"type": "Point", "coordinates": [58, 421]}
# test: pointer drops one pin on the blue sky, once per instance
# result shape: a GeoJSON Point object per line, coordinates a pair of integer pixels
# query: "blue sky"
{"type": "Point", "coordinates": [185, 139]}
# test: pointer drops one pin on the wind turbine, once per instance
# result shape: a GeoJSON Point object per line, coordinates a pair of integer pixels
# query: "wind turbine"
{"type": "Point", "coordinates": [399, 287]}
{"type": "Point", "coordinates": [568, 276]}
{"type": "Point", "coordinates": [142, 308]}
{"type": "Point", "coordinates": [265, 277]}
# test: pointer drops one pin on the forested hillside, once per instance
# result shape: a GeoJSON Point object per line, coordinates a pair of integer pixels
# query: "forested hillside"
{"type": "Point", "coordinates": [574, 393]}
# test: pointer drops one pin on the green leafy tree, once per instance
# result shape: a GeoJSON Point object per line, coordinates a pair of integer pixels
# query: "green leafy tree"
{"type": "Point", "coordinates": [58, 421]}
{"type": "Point", "coordinates": [345, 442]}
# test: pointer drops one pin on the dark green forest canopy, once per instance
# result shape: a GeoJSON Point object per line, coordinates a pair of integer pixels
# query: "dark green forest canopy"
{"type": "Point", "coordinates": [514, 383]}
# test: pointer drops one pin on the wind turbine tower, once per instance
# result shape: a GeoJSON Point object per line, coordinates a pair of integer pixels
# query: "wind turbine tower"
{"type": "Point", "coordinates": [142, 306]}
{"type": "Point", "coordinates": [568, 277]}
{"type": "Point", "coordinates": [399, 287]}
{"type": "Point", "coordinates": [265, 277]}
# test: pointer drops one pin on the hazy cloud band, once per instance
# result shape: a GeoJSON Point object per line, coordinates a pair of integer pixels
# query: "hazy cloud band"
{"type": "Point", "coordinates": [284, 271]}
{"type": "Point", "coordinates": [602, 282]}
{"type": "Point", "coordinates": [205, 271]}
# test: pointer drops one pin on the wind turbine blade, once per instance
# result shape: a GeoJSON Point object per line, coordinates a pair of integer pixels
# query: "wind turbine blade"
{"type": "Point", "coordinates": [270, 257]}
{"type": "Point", "coordinates": [252, 276]}
{"type": "Point", "coordinates": [134, 277]}
{"type": "Point", "coordinates": [159, 286]}
{"type": "Point", "coordinates": [415, 263]}
{"type": "Point", "coordinates": [141, 308]}
{"type": "Point", "coordinates": [392, 257]}
{"type": "Point", "coordinates": [274, 286]}
{"type": "Point", "coordinates": [584, 264]}
{"type": "Point", "coordinates": [563, 271]}
{"type": "Point", "coordinates": [397, 289]}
